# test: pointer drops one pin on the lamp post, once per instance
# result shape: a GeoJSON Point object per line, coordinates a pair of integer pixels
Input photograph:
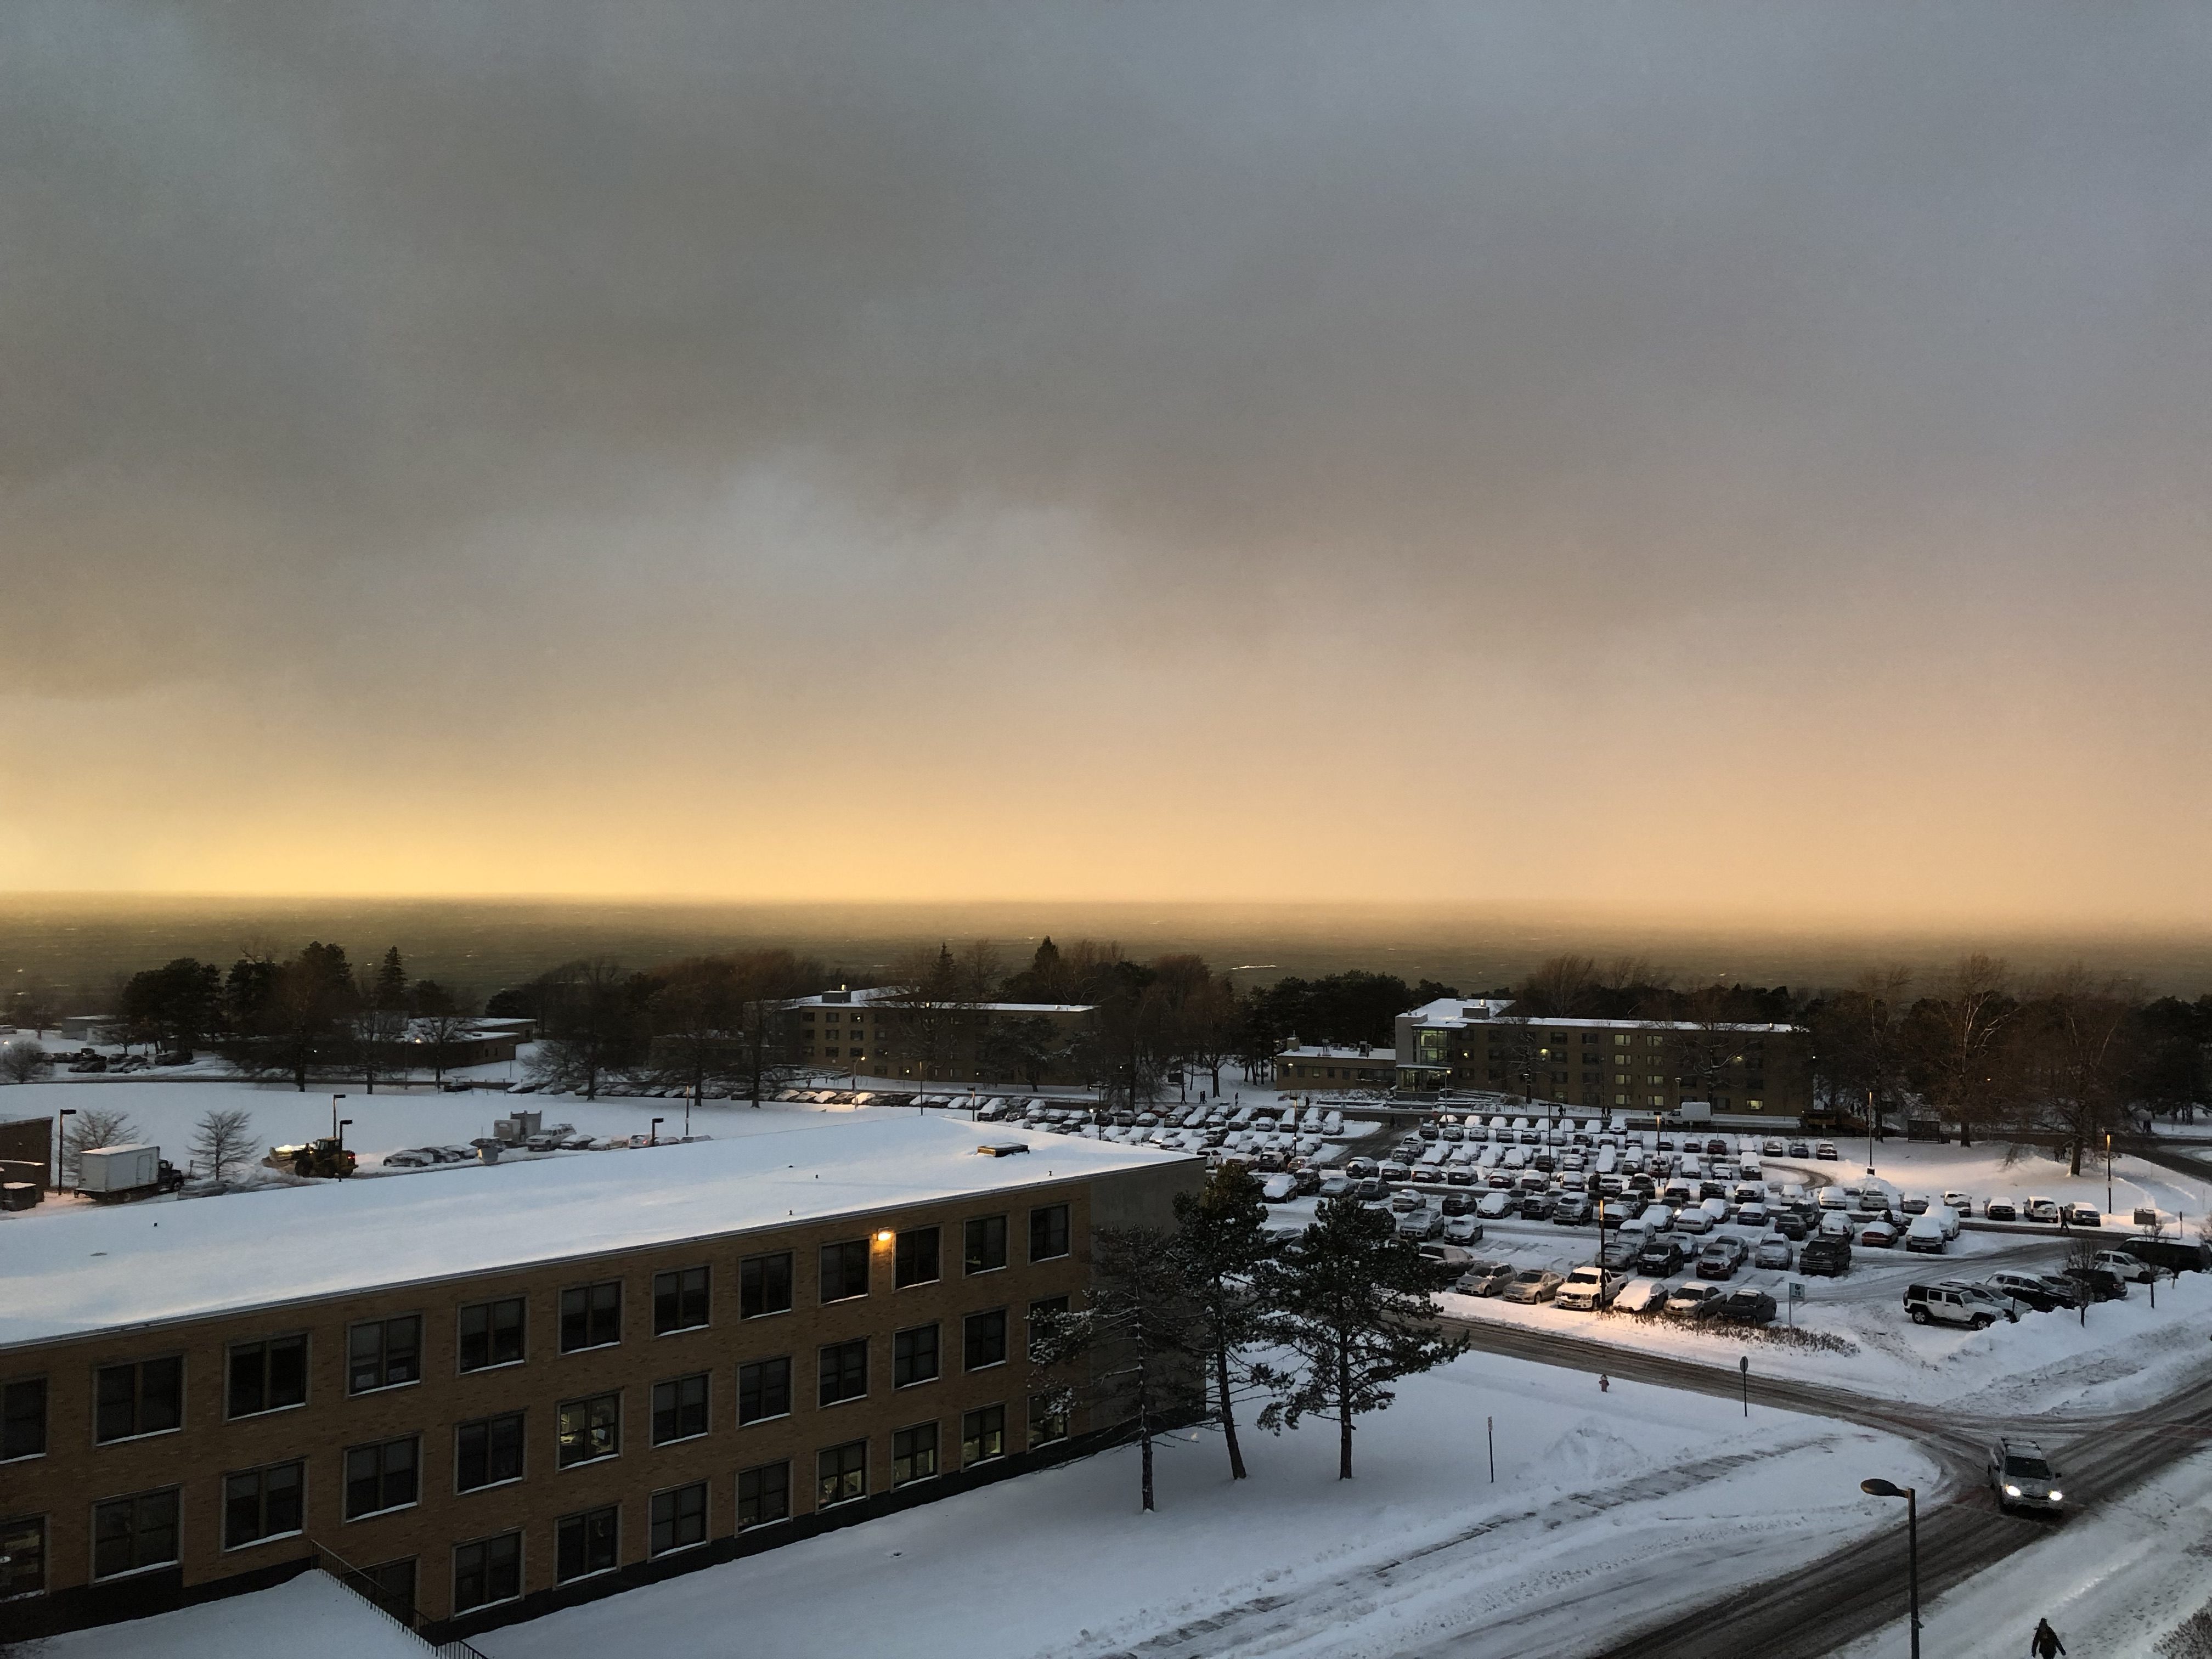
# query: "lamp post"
{"type": "Point", "coordinates": [2108, 1174]}
{"type": "Point", "coordinates": [653, 1134]}
{"type": "Point", "coordinates": [1870, 1134]}
{"type": "Point", "coordinates": [338, 1132]}
{"type": "Point", "coordinates": [61, 1137]}
{"type": "Point", "coordinates": [334, 1115]}
{"type": "Point", "coordinates": [1911, 1496]}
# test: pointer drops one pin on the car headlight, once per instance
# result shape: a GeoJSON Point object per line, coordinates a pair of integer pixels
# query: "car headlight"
{"type": "Point", "coordinates": [2012, 1491]}
{"type": "Point", "coordinates": [2057, 1496]}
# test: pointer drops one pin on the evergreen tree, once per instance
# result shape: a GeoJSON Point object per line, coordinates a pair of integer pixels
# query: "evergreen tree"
{"type": "Point", "coordinates": [1223, 1249]}
{"type": "Point", "coordinates": [390, 992]}
{"type": "Point", "coordinates": [1352, 1298]}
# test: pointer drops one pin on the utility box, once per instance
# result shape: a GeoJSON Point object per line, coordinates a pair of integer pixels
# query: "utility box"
{"type": "Point", "coordinates": [1697, 1111]}
{"type": "Point", "coordinates": [118, 1168]}
{"type": "Point", "coordinates": [2146, 1218]}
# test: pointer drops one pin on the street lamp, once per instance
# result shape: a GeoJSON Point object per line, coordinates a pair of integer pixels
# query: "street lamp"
{"type": "Point", "coordinates": [2108, 1181]}
{"type": "Point", "coordinates": [652, 1135]}
{"type": "Point", "coordinates": [1912, 1497]}
{"type": "Point", "coordinates": [339, 1132]}
{"type": "Point", "coordinates": [334, 1115]}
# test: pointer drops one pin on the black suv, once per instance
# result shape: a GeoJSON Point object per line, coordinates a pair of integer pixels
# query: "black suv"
{"type": "Point", "coordinates": [1825, 1258]}
{"type": "Point", "coordinates": [1660, 1258]}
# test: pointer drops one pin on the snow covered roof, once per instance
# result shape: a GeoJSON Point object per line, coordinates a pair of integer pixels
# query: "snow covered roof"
{"type": "Point", "coordinates": [148, 1263]}
{"type": "Point", "coordinates": [892, 993]}
{"type": "Point", "coordinates": [1453, 1012]}
{"type": "Point", "coordinates": [1379, 1056]}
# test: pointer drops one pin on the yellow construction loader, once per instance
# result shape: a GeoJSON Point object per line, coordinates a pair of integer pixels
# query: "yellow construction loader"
{"type": "Point", "coordinates": [324, 1158]}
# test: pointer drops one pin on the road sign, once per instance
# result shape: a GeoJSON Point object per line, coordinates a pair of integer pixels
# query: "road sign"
{"type": "Point", "coordinates": [1796, 1290]}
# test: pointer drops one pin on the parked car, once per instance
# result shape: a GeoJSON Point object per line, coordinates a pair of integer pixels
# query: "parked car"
{"type": "Point", "coordinates": [1587, 1290]}
{"type": "Point", "coordinates": [2103, 1285]}
{"type": "Point", "coordinates": [2070, 1292]}
{"type": "Point", "coordinates": [1958, 1202]}
{"type": "Point", "coordinates": [1744, 1305]}
{"type": "Point", "coordinates": [2028, 1289]}
{"type": "Point", "coordinates": [1983, 1295]}
{"type": "Point", "coordinates": [1459, 1204]}
{"type": "Point", "coordinates": [1878, 1235]}
{"type": "Point", "coordinates": [1721, 1258]}
{"type": "Point", "coordinates": [2023, 1477]}
{"type": "Point", "coordinates": [1485, 1279]}
{"type": "Point", "coordinates": [2000, 1209]}
{"type": "Point", "coordinates": [2043, 1209]}
{"type": "Point", "coordinates": [1495, 1206]}
{"type": "Point", "coordinates": [1936, 1304]}
{"type": "Point", "coordinates": [1643, 1296]}
{"type": "Point", "coordinates": [1462, 1230]}
{"type": "Point", "coordinates": [1791, 1225]}
{"type": "Point", "coordinates": [1279, 1189]}
{"type": "Point", "coordinates": [1773, 1253]}
{"type": "Point", "coordinates": [1824, 1257]}
{"type": "Point", "coordinates": [1572, 1211]}
{"type": "Point", "coordinates": [1799, 1149]}
{"type": "Point", "coordinates": [1533, 1285]}
{"type": "Point", "coordinates": [1660, 1258]}
{"type": "Point", "coordinates": [1770, 1148]}
{"type": "Point", "coordinates": [1688, 1300]}
{"type": "Point", "coordinates": [2173, 1255]}
{"type": "Point", "coordinates": [1826, 1150]}
{"type": "Point", "coordinates": [1335, 1186]}
{"type": "Point", "coordinates": [2080, 1215]}
{"type": "Point", "coordinates": [1925, 1236]}
{"type": "Point", "coordinates": [1536, 1206]}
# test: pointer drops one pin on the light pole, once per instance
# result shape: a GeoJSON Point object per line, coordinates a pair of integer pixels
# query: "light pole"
{"type": "Point", "coordinates": [1869, 1134]}
{"type": "Point", "coordinates": [2108, 1174]}
{"type": "Point", "coordinates": [1911, 1496]}
{"type": "Point", "coordinates": [653, 1134]}
{"type": "Point", "coordinates": [61, 1137]}
{"type": "Point", "coordinates": [334, 1115]}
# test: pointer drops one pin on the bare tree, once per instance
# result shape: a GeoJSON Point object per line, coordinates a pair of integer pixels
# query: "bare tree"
{"type": "Point", "coordinates": [93, 1127]}
{"type": "Point", "coordinates": [24, 1061]}
{"type": "Point", "coordinates": [224, 1140]}
{"type": "Point", "coordinates": [439, 1021]}
{"type": "Point", "coordinates": [1958, 1031]}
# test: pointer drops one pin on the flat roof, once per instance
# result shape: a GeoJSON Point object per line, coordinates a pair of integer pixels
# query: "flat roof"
{"type": "Point", "coordinates": [892, 994]}
{"type": "Point", "coordinates": [1449, 1012]}
{"type": "Point", "coordinates": [1377, 1056]}
{"type": "Point", "coordinates": [146, 1263]}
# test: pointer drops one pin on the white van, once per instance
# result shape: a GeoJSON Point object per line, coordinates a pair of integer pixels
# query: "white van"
{"type": "Point", "coordinates": [1836, 1224]}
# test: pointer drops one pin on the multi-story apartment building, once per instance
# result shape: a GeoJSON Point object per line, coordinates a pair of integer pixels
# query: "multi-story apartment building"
{"type": "Point", "coordinates": [1643, 1066]}
{"type": "Point", "coordinates": [496, 1391]}
{"type": "Point", "coordinates": [887, 1032]}
{"type": "Point", "coordinates": [1320, 1069]}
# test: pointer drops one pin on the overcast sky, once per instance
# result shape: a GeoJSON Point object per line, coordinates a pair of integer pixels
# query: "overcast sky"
{"type": "Point", "coordinates": [1708, 459]}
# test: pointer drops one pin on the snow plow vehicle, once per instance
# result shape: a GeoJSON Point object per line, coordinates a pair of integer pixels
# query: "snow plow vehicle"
{"type": "Point", "coordinates": [324, 1158]}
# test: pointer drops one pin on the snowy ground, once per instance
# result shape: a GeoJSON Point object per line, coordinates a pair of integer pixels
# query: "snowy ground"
{"type": "Point", "coordinates": [271, 1624]}
{"type": "Point", "coordinates": [1608, 1509]}
{"type": "Point", "coordinates": [2111, 1582]}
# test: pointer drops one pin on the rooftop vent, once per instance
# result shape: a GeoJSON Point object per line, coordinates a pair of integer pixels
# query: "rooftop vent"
{"type": "Point", "coordinates": [1002, 1148]}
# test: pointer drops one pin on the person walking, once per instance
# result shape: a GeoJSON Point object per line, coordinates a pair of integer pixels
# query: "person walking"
{"type": "Point", "coordinates": [2044, 1644]}
{"type": "Point", "coordinates": [1604, 1383]}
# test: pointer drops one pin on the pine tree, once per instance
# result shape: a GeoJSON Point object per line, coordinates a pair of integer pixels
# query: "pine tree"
{"type": "Point", "coordinates": [391, 993]}
{"type": "Point", "coordinates": [1352, 1297]}
{"type": "Point", "coordinates": [1223, 1249]}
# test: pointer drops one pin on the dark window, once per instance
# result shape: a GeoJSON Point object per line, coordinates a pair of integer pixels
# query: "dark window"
{"type": "Point", "coordinates": [763, 1390]}
{"type": "Point", "coordinates": [585, 1544]}
{"type": "Point", "coordinates": [913, 1260]}
{"type": "Point", "coordinates": [384, 1353]}
{"type": "Point", "coordinates": [591, 1316]}
{"type": "Point", "coordinates": [844, 1371]}
{"type": "Point", "coordinates": [590, 1428]}
{"type": "Point", "coordinates": [488, 1452]}
{"type": "Point", "coordinates": [764, 1495]}
{"type": "Point", "coordinates": [679, 1518]}
{"type": "Point", "coordinates": [22, 1556]}
{"type": "Point", "coordinates": [914, 1356]}
{"type": "Point", "coordinates": [679, 1409]}
{"type": "Point", "coordinates": [983, 1435]}
{"type": "Point", "coordinates": [679, 1300]}
{"type": "Point", "coordinates": [147, 1398]}
{"type": "Point", "coordinates": [764, 1285]}
{"type": "Point", "coordinates": [986, 1241]}
{"type": "Point", "coordinates": [844, 1270]}
{"type": "Point", "coordinates": [914, 1454]}
{"type": "Point", "coordinates": [487, 1570]}
{"type": "Point", "coordinates": [983, 1340]}
{"type": "Point", "coordinates": [261, 1503]}
{"type": "Point", "coordinates": [23, 1418]}
{"type": "Point", "coordinates": [131, 1533]}
{"type": "Point", "coordinates": [841, 1474]}
{"type": "Point", "coordinates": [491, 1334]}
{"type": "Point", "coordinates": [392, 1587]}
{"type": "Point", "coordinates": [1047, 1419]}
{"type": "Point", "coordinates": [381, 1477]}
{"type": "Point", "coordinates": [1048, 1232]}
{"type": "Point", "coordinates": [266, 1376]}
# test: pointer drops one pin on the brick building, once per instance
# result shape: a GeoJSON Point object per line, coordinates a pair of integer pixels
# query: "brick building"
{"type": "Point", "coordinates": [500, 1391]}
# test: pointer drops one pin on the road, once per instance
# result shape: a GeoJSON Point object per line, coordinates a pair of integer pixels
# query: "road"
{"type": "Point", "coordinates": [1859, 1589]}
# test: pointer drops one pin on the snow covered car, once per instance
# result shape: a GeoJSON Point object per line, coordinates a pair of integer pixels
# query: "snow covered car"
{"type": "Point", "coordinates": [410, 1158]}
{"type": "Point", "coordinates": [1532, 1284]}
{"type": "Point", "coordinates": [1462, 1230]}
{"type": "Point", "coordinates": [2000, 1209]}
{"type": "Point", "coordinates": [2130, 1267]}
{"type": "Point", "coordinates": [1335, 1186]}
{"type": "Point", "coordinates": [1961, 1202]}
{"type": "Point", "coordinates": [1772, 1252]}
{"type": "Point", "coordinates": [2042, 1209]}
{"type": "Point", "coordinates": [1826, 1150]}
{"type": "Point", "coordinates": [1587, 1289]}
{"type": "Point", "coordinates": [1878, 1235]}
{"type": "Point", "coordinates": [1420, 1224]}
{"type": "Point", "coordinates": [1721, 1258]}
{"type": "Point", "coordinates": [1926, 1235]}
{"type": "Point", "coordinates": [2080, 1215]}
{"type": "Point", "coordinates": [1279, 1189]}
{"type": "Point", "coordinates": [2028, 1290]}
{"type": "Point", "coordinates": [1643, 1296]}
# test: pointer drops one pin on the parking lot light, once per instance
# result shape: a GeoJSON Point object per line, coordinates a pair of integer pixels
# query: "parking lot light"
{"type": "Point", "coordinates": [1880, 1488]}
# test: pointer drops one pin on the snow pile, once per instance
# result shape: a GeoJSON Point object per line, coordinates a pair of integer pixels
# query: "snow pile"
{"type": "Point", "coordinates": [312, 1614]}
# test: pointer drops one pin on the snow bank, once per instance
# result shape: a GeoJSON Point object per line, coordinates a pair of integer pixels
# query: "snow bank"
{"type": "Point", "coordinates": [312, 1614]}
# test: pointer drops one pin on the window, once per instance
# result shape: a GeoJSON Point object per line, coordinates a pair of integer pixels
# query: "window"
{"type": "Point", "coordinates": [591, 1316]}
{"type": "Point", "coordinates": [487, 1570]}
{"type": "Point", "coordinates": [679, 1409]}
{"type": "Point", "coordinates": [22, 1556]}
{"type": "Point", "coordinates": [381, 1477]}
{"type": "Point", "coordinates": [585, 1544]}
{"type": "Point", "coordinates": [764, 1285]}
{"type": "Point", "coordinates": [488, 1452]}
{"type": "Point", "coordinates": [841, 1474]}
{"type": "Point", "coordinates": [845, 1270]}
{"type": "Point", "coordinates": [983, 1435]}
{"type": "Point", "coordinates": [384, 1353]}
{"type": "Point", "coordinates": [764, 1495]}
{"type": "Point", "coordinates": [1048, 1232]}
{"type": "Point", "coordinates": [844, 1371]}
{"type": "Point", "coordinates": [23, 1418]}
{"type": "Point", "coordinates": [491, 1334]}
{"type": "Point", "coordinates": [679, 1301]}
{"type": "Point", "coordinates": [983, 1340]}
{"type": "Point", "coordinates": [590, 1429]}
{"type": "Point", "coordinates": [147, 1398]}
{"type": "Point", "coordinates": [913, 1260]}
{"type": "Point", "coordinates": [914, 1454]}
{"type": "Point", "coordinates": [985, 1242]}
{"type": "Point", "coordinates": [914, 1356]}
{"type": "Point", "coordinates": [132, 1534]}
{"type": "Point", "coordinates": [679, 1518]}
{"type": "Point", "coordinates": [1047, 1419]}
{"type": "Point", "coordinates": [261, 1503]}
{"type": "Point", "coordinates": [763, 1390]}
{"type": "Point", "coordinates": [267, 1377]}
